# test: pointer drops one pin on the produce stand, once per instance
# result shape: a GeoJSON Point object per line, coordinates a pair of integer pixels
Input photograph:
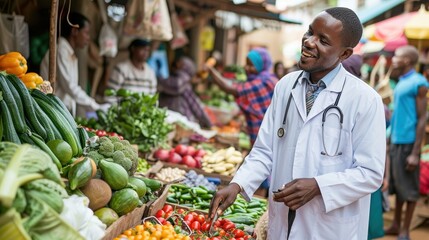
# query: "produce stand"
{"type": "Point", "coordinates": [125, 222]}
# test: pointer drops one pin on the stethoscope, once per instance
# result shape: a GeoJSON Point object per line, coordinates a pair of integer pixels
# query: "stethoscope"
{"type": "Point", "coordinates": [333, 107]}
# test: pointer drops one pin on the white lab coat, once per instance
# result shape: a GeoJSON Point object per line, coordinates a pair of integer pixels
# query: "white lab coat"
{"type": "Point", "coordinates": [345, 181]}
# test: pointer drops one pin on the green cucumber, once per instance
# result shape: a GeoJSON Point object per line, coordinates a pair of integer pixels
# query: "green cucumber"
{"type": "Point", "coordinates": [153, 184]}
{"type": "Point", "coordinates": [83, 136]}
{"type": "Point", "coordinates": [46, 121]}
{"type": "Point", "coordinates": [9, 132]}
{"type": "Point", "coordinates": [42, 145]}
{"type": "Point", "coordinates": [61, 124]}
{"type": "Point", "coordinates": [16, 111]}
{"type": "Point", "coordinates": [28, 105]}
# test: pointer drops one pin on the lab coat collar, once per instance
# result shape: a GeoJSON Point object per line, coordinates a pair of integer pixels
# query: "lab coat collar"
{"type": "Point", "coordinates": [325, 98]}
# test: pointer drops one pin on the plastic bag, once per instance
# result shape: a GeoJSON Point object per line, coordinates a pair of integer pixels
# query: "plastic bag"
{"type": "Point", "coordinates": [108, 41]}
{"type": "Point", "coordinates": [15, 36]}
{"type": "Point", "coordinates": [149, 19]}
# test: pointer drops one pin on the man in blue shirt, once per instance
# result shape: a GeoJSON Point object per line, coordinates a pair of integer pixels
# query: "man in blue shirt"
{"type": "Point", "coordinates": [408, 124]}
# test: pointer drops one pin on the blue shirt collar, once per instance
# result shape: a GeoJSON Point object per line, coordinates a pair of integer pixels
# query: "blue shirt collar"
{"type": "Point", "coordinates": [327, 79]}
{"type": "Point", "coordinates": [406, 75]}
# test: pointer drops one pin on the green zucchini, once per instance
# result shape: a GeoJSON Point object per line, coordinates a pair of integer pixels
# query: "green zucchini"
{"type": "Point", "coordinates": [45, 122]}
{"type": "Point", "coordinates": [60, 105]}
{"type": "Point", "coordinates": [80, 173]}
{"type": "Point", "coordinates": [1, 126]}
{"type": "Point", "coordinates": [83, 136]}
{"type": "Point", "coordinates": [42, 145]}
{"type": "Point", "coordinates": [28, 105]}
{"type": "Point", "coordinates": [15, 112]}
{"type": "Point", "coordinates": [9, 132]}
{"type": "Point", "coordinates": [61, 124]}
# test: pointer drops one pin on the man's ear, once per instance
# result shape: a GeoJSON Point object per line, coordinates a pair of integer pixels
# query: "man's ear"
{"type": "Point", "coordinates": [346, 53]}
{"type": "Point", "coordinates": [74, 31]}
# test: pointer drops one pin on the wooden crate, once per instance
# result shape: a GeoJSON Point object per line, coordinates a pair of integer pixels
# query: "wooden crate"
{"type": "Point", "coordinates": [157, 204]}
{"type": "Point", "coordinates": [125, 222]}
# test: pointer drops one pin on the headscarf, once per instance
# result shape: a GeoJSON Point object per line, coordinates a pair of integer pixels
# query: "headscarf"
{"type": "Point", "coordinates": [261, 60]}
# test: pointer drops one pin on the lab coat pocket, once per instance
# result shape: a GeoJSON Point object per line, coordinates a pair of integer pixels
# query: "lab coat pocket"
{"type": "Point", "coordinates": [332, 146]}
{"type": "Point", "coordinates": [343, 222]}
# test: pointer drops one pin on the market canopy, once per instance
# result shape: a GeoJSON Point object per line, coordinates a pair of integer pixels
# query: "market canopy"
{"type": "Point", "coordinates": [256, 9]}
{"type": "Point", "coordinates": [368, 13]}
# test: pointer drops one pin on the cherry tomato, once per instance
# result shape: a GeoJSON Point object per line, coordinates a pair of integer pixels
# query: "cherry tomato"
{"type": "Point", "coordinates": [200, 218]}
{"type": "Point", "coordinates": [160, 213]}
{"type": "Point", "coordinates": [232, 239]}
{"type": "Point", "coordinates": [215, 238]}
{"type": "Point", "coordinates": [189, 217]}
{"type": "Point", "coordinates": [100, 133]}
{"type": "Point", "coordinates": [240, 238]}
{"type": "Point", "coordinates": [238, 233]}
{"type": "Point", "coordinates": [195, 225]}
{"type": "Point", "coordinates": [222, 232]}
{"type": "Point", "coordinates": [228, 226]}
{"type": "Point", "coordinates": [167, 208]}
{"type": "Point", "coordinates": [205, 226]}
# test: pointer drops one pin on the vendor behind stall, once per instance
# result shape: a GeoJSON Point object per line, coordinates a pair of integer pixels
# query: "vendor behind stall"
{"type": "Point", "coordinates": [253, 96]}
{"type": "Point", "coordinates": [73, 37]}
{"type": "Point", "coordinates": [176, 92]}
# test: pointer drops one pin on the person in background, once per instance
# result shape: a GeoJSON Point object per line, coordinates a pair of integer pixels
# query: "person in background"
{"type": "Point", "coordinates": [323, 170]}
{"type": "Point", "coordinates": [67, 87]}
{"type": "Point", "coordinates": [279, 69]}
{"type": "Point", "coordinates": [353, 65]}
{"type": "Point", "coordinates": [176, 92]}
{"type": "Point", "coordinates": [134, 74]}
{"type": "Point", "coordinates": [253, 96]}
{"type": "Point", "coordinates": [407, 129]}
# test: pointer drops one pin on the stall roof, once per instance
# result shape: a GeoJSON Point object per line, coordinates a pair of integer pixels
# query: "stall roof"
{"type": "Point", "coordinates": [251, 9]}
{"type": "Point", "coordinates": [368, 13]}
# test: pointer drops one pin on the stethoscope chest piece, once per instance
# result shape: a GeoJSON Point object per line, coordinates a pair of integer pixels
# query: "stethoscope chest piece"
{"type": "Point", "coordinates": [281, 132]}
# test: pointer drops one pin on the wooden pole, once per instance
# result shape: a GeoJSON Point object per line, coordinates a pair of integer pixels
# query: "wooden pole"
{"type": "Point", "coordinates": [53, 43]}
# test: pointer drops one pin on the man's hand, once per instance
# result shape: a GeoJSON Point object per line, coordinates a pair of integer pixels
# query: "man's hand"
{"type": "Point", "coordinates": [412, 162]}
{"type": "Point", "coordinates": [223, 199]}
{"type": "Point", "coordinates": [385, 184]}
{"type": "Point", "coordinates": [298, 192]}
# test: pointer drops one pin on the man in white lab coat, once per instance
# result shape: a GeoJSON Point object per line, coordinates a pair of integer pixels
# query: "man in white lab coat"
{"type": "Point", "coordinates": [322, 174]}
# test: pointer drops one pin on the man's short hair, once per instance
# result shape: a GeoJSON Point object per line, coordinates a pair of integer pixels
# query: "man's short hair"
{"type": "Point", "coordinates": [411, 53]}
{"type": "Point", "coordinates": [138, 42]}
{"type": "Point", "coordinates": [75, 19]}
{"type": "Point", "coordinates": [352, 27]}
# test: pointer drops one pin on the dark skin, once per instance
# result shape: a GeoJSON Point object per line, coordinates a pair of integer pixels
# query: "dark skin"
{"type": "Point", "coordinates": [323, 48]}
{"type": "Point", "coordinates": [404, 61]}
{"type": "Point", "coordinates": [139, 55]}
{"type": "Point", "coordinates": [225, 84]}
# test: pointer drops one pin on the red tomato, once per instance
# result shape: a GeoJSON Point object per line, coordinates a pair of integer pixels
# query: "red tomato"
{"type": "Point", "coordinates": [240, 238]}
{"type": "Point", "coordinates": [160, 213]}
{"type": "Point", "coordinates": [228, 226]}
{"type": "Point", "coordinates": [194, 213]}
{"type": "Point", "coordinates": [188, 223]}
{"type": "Point", "coordinates": [180, 211]}
{"type": "Point", "coordinates": [167, 215]}
{"type": "Point", "coordinates": [215, 238]}
{"type": "Point", "coordinates": [200, 218]}
{"type": "Point", "coordinates": [195, 225]}
{"type": "Point", "coordinates": [217, 223]}
{"type": "Point", "coordinates": [162, 220]}
{"type": "Point", "coordinates": [232, 239]}
{"type": "Point", "coordinates": [189, 217]}
{"type": "Point", "coordinates": [100, 133]}
{"type": "Point", "coordinates": [222, 232]}
{"type": "Point", "coordinates": [205, 226]}
{"type": "Point", "coordinates": [167, 208]}
{"type": "Point", "coordinates": [238, 233]}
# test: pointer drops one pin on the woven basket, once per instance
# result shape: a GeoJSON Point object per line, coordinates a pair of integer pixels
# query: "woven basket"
{"type": "Point", "coordinates": [261, 227]}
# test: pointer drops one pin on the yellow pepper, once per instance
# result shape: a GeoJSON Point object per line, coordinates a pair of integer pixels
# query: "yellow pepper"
{"type": "Point", "coordinates": [32, 77]}
{"type": "Point", "coordinates": [13, 63]}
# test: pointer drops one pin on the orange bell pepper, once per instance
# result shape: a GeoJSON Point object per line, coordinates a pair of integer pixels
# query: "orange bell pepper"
{"type": "Point", "coordinates": [13, 63]}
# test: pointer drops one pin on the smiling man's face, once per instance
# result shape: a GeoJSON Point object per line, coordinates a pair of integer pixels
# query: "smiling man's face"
{"type": "Point", "coordinates": [322, 46]}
